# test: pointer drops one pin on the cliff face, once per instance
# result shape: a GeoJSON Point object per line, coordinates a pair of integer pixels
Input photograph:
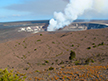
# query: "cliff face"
{"type": "Point", "coordinates": [78, 26]}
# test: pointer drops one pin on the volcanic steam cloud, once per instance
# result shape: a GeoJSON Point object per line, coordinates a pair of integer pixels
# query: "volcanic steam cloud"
{"type": "Point", "coordinates": [73, 10]}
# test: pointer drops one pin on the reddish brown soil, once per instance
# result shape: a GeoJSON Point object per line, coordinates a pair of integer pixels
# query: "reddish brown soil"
{"type": "Point", "coordinates": [28, 55]}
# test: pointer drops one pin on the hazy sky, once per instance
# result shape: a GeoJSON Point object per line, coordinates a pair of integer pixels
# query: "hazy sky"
{"type": "Point", "coordinates": [16, 10]}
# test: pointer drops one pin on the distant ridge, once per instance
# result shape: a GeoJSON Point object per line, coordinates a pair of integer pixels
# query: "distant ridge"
{"type": "Point", "coordinates": [47, 21]}
{"type": "Point", "coordinates": [32, 21]}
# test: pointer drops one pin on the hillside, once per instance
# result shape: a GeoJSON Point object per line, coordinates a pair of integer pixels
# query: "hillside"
{"type": "Point", "coordinates": [35, 54]}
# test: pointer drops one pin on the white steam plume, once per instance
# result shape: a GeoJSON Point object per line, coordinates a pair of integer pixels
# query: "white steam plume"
{"type": "Point", "coordinates": [74, 9]}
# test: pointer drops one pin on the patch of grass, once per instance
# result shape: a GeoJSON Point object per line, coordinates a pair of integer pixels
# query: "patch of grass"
{"type": "Point", "coordinates": [77, 62]}
{"type": "Point", "coordinates": [53, 42]}
{"type": "Point", "coordinates": [59, 54]}
{"type": "Point", "coordinates": [28, 52]}
{"type": "Point", "coordinates": [25, 56]}
{"type": "Point", "coordinates": [37, 71]}
{"type": "Point", "coordinates": [72, 55]}
{"type": "Point", "coordinates": [92, 60]}
{"type": "Point", "coordinates": [28, 63]}
{"type": "Point", "coordinates": [21, 57]}
{"type": "Point", "coordinates": [43, 64]}
{"type": "Point", "coordinates": [67, 49]}
{"type": "Point", "coordinates": [38, 40]}
{"type": "Point", "coordinates": [51, 68]}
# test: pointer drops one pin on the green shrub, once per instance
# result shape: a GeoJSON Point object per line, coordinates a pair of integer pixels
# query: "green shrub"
{"type": "Point", "coordinates": [92, 60]}
{"type": "Point", "coordinates": [72, 45]}
{"type": "Point", "coordinates": [25, 56]}
{"type": "Point", "coordinates": [101, 44]}
{"type": "Point", "coordinates": [35, 49]}
{"type": "Point", "coordinates": [94, 46]}
{"type": "Point", "coordinates": [37, 71]}
{"type": "Point", "coordinates": [76, 62]}
{"type": "Point", "coordinates": [87, 61]}
{"type": "Point", "coordinates": [6, 75]}
{"type": "Point", "coordinates": [89, 48]}
{"type": "Point", "coordinates": [53, 42]}
{"type": "Point", "coordinates": [46, 61]}
{"type": "Point", "coordinates": [52, 63]}
{"type": "Point", "coordinates": [93, 43]}
{"type": "Point", "coordinates": [61, 62]}
{"type": "Point", "coordinates": [23, 41]}
{"type": "Point", "coordinates": [19, 43]}
{"type": "Point", "coordinates": [25, 47]}
{"type": "Point", "coordinates": [51, 68]}
{"type": "Point", "coordinates": [72, 55]}
{"type": "Point", "coordinates": [40, 34]}
{"type": "Point", "coordinates": [56, 60]}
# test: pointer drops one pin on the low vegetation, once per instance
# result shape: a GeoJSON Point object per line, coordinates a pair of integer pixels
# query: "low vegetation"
{"type": "Point", "coordinates": [53, 42]}
{"type": "Point", "coordinates": [46, 61]}
{"type": "Point", "coordinates": [89, 48]}
{"type": "Point", "coordinates": [72, 55]}
{"type": "Point", "coordinates": [38, 40]}
{"type": "Point", "coordinates": [87, 61]}
{"type": "Point", "coordinates": [51, 68]}
{"type": "Point", "coordinates": [101, 44]}
{"type": "Point", "coordinates": [40, 34]}
{"type": "Point", "coordinates": [6, 75]}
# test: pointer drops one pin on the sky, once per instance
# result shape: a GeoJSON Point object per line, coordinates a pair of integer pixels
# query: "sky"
{"type": "Point", "coordinates": [22, 10]}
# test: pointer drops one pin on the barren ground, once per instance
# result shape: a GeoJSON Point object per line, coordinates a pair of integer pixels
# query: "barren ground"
{"type": "Point", "coordinates": [34, 55]}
